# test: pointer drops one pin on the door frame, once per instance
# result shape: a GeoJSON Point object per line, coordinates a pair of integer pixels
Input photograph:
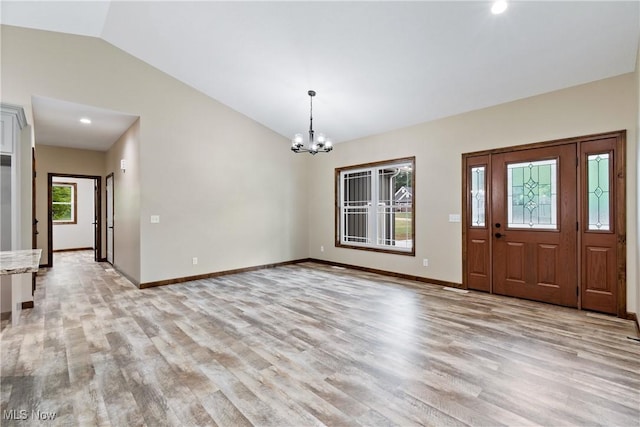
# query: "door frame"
{"type": "Point", "coordinates": [619, 175]}
{"type": "Point", "coordinates": [113, 234]}
{"type": "Point", "coordinates": [97, 213]}
{"type": "Point", "coordinates": [34, 221]}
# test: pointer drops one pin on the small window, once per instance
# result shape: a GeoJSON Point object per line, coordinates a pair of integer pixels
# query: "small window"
{"type": "Point", "coordinates": [598, 176]}
{"type": "Point", "coordinates": [375, 206]}
{"type": "Point", "coordinates": [478, 201]}
{"type": "Point", "coordinates": [64, 200]}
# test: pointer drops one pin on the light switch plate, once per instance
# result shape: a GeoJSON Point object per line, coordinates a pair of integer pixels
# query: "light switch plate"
{"type": "Point", "coordinates": [454, 217]}
{"type": "Point", "coordinates": [155, 219]}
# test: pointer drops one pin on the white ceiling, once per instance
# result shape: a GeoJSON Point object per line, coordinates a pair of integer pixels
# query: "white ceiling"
{"type": "Point", "coordinates": [376, 66]}
{"type": "Point", "coordinates": [58, 123]}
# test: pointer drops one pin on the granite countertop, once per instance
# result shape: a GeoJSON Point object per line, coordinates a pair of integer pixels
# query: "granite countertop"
{"type": "Point", "coordinates": [18, 262]}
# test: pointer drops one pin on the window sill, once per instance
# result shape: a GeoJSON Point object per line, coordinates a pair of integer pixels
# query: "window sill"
{"type": "Point", "coordinates": [411, 252]}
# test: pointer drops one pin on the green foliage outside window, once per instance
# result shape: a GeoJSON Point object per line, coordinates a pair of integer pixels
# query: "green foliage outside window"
{"type": "Point", "coordinates": [62, 213]}
{"type": "Point", "coordinates": [62, 197]}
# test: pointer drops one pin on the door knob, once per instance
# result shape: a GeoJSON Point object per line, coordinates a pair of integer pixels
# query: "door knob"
{"type": "Point", "coordinates": [499, 235]}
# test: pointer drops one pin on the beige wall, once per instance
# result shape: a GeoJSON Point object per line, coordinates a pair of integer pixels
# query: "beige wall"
{"type": "Point", "coordinates": [606, 105]}
{"type": "Point", "coordinates": [60, 160]}
{"type": "Point", "coordinates": [229, 192]}
{"type": "Point", "coordinates": [227, 189]}
{"type": "Point", "coordinates": [126, 186]}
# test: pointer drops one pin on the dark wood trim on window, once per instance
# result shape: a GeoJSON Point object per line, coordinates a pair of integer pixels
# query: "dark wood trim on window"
{"type": "Point", "coordinates": [338, 239]}
{"type": "Point", "coordinates": [411, 159]}
{"type": "Point", "coordinates": [74, 203]}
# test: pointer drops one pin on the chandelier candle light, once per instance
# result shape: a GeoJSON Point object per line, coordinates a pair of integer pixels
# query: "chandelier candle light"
{"type": "Point", "coordinates": [315, 145]}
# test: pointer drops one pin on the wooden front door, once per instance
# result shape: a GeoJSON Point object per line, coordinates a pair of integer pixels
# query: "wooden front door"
{"type": "Point", "coordinates": [547, 222]}
{"type": "Point", "coordinates": [534, 224]}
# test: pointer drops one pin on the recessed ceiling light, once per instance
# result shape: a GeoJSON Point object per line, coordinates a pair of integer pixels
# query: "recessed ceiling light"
{"type": "Point", "coordinates": [499, 7]}
{"type": "Point", "coordinates": [85, 120]}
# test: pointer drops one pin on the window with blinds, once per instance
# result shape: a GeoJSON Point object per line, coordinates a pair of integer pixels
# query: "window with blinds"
{"type": "Point", "coordinates": [375, 206]}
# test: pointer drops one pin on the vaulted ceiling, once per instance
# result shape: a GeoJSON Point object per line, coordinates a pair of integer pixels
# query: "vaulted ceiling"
{"type": "Point", "coordinates": [375, 66]}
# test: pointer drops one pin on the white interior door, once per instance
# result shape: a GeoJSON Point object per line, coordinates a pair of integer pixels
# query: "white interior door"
{"type": "Point", "coordinates": [110, 219]}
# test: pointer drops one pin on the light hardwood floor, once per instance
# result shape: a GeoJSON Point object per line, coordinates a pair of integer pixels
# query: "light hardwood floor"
{"type": "Point", "coordinates": [308, 345]}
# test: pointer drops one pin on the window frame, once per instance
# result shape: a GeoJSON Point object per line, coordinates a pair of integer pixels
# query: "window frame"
{"type": "Point", "coordinates": [373, 167]}
{"type": "Point", "coordinates": [73, 203]}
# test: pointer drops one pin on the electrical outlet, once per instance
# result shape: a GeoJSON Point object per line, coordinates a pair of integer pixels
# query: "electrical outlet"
{"type": "Point", "coordinates": [321, 248]}
{"type": "Point", "coordinates": [425, 262]}
{"type": "Point", "coordinates": [194, 260]}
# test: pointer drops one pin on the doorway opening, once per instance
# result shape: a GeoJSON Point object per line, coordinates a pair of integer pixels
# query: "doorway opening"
{"type": "Point", "coordinates": [547, 222]}
{"type": "Point", "coordinates": [74, 214]}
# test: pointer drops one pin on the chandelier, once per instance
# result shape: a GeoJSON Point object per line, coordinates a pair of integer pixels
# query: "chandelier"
{"type": "Point", "coordinates": [315, 145]}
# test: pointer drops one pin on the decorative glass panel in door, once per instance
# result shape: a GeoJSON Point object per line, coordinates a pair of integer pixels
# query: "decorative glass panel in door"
{"type": "Point", "coordinates": [532, 195]}
{"type": "Point", "coordinates": [598, 191]}
{"type": "Point", "coordinates": [534, 235]}
{"type": "Point", "coordinates": [478, 206]}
